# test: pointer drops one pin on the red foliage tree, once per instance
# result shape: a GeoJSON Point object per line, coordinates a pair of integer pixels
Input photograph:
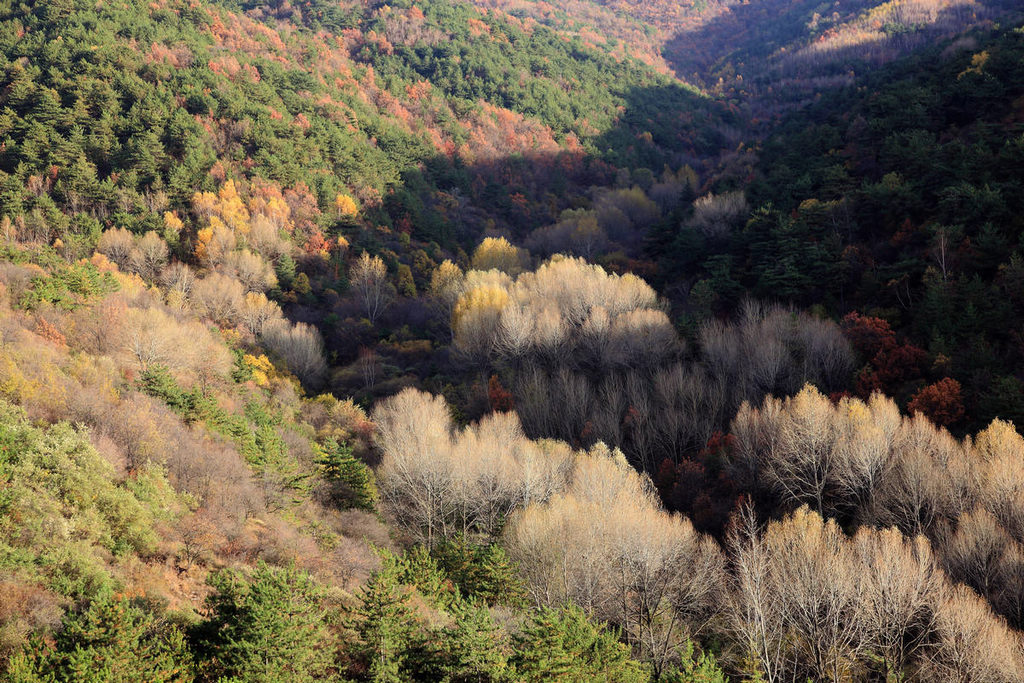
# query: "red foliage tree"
{"type": "Point", "coordinates": [890, 363]}
{"type": "Point", "coordinates": [500, 398]}
{"type": "Point", "coordinates": [940, 402]}
{"type": "Point", "coordinates": [867, 334]}
{"type": "Point", "coordinates": [700, 487]}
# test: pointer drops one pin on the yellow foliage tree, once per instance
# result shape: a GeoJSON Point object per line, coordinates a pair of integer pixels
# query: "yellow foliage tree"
{"type": "Point", "coordinates": [498, 253]}
{"type": "Point", "coordinates": [476, 317]}
{"type": "Point", "coordinates": [346, 206]}
{"type": "Point", "coordinates": [232, 209]}
{"type": "Point", "coordinates": [172, 222]}
{"type": "Point", "coordinates": [215, 242]}
{"type": "Point", "coordinates": [204, 203]}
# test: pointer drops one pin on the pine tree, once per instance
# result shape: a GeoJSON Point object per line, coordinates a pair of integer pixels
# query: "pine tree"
{"type": "Point", "coordinates": [564, 645]}
{"type": "Point", "coordinates": [114, 640]}
{"type": "Point", "coordinates": [482, 572]}
{"type": "Point", "coordinates": [474, 651]}
{"type": "Point", "coordinates": [339, 465]}
{"type": "Point", "coordinates": [406, 284]}
{"type": "Point", "coordinates": [266, 628]}
{"type": "Point", "coordinates": [385, 624]}
{"type": "Point", "coordinates": [285, 269]}
{"type": "Point", "coordinates": [701, 669]}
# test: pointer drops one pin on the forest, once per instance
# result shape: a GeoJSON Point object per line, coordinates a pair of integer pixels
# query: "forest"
{"type": "Point", "coordinates": [506, 341]}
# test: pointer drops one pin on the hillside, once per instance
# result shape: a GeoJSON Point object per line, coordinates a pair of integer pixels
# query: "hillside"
{"type": "Point", "coordinates": [772, 55]}
{"type": "Point", "coordinates": [164, 94]}
{"type": "Point", "coordinates": [465, 342]}
{"type": "Point", "coordinates": [897, 200]}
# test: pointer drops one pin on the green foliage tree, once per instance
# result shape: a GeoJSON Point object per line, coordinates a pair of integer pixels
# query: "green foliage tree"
{"type": "Point", "coordinates": [474, 650]}
{"type": "Point", "coordinates": [113, 640]}
{"type": "Point", "coordinates": [385, 623]}
{"type": "Point", "coordinates": [355, 479]}
{"type": "Point", "coordinates": [481, 571]}
{"type": "Point", "coordinates": [62, 513]}
{"type": "Point", "coordinates": [265, 627]}
{"type": "Point", "coordinates": [700, 669]}
{"type": "Point", "coordinates": [406, 284]}
{"type": "Point", "coordinates": [565, 645]}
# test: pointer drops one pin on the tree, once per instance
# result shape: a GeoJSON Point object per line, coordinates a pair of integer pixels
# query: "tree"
{"type": "Point", "coordinates": [809, 451]}
{"type": "Point", "coordinates": [715, 216]}
{"type": "Point", "coordinates": [117, 244]}
{"type": "Point", "coordinates": [345, 206]}
{"type": "Point", "coordinates": [499, 254]}
{"type": "Point", "coordinates": [800, 605]}
{"type": "Point", "coordinates": [755, 610]}
{"type": "Point", "coordinates": [150, 255]}
{"type": "Point", "coordinates": [255, 274]}
{"type": "Point", "coordinates": [973, 644]}
{"type": "Point", "coordinates": [369, 281]}
{"type": "Point", "coordinates": [112, 640]}
{"type": "Point", "coordinates": [338, 465]}
{"type": "Point", "coordinates": [499, 397]}
{"type": "Point", "coordinates": [700, 669]}
{"type": "Point", "coordinates": [406, 284]}
{"type": "Point", "coordinates": [901, 582]}
{"type": "Point", "coordinates": [299, 346]}
{"type": "Point", "coordinates": [562, 644]}
{"type": "Point", "coordinates": [481, 571]}
{"type": "Point", "coordinates": [940, 402]}
{"type": "Point", "coordinates": [414, 435]}
{"type": "Point", "coordinates": [446, 284]}
{"type": "Point", "coordinates": [265, 627]}
{"type": "Point", "coordinates": [257, 312]}
{"type": "Point", "coordinates": [218, 297]}
{"type": "Point", "coordinates": [605, 544]}
{"type": "Point", "coordinates": [385, 623]}
{"type": "Point", "coordinates": [475, 651]}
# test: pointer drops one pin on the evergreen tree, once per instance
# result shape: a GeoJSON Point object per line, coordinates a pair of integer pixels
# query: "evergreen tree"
{"type": "Point", "coordinates": [339, 466]}
{"type": "Point", "coordinates": [700, 669]}
{"type": "Point", "coordinates": [286, 270]}
{"type": "Point", "coordinates": [265, 628]}
{"type": "Point", "coordinates": [475, 652]}
{"type": "Point", "coordinates": [417, 568]}
{"type": "Point", "coordinates": [480, 571]}
{"type": "Point", "coordinates": [564, 645]}
{"type": "Point", "coordinates": [113, 640]}
{"type": "Point", "coordinates": [385, 623]}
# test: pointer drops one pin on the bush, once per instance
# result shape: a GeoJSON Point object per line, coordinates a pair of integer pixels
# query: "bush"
{"type": "Point", "coordinates": [61, 511]}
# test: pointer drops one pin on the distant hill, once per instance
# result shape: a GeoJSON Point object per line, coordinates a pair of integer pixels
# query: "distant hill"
{"type": "Point", "coordinates": [770, 52]}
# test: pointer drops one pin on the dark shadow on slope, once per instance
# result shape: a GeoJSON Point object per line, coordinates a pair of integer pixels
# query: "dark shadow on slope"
{"type": "Point", "coordinates": [785, 51]}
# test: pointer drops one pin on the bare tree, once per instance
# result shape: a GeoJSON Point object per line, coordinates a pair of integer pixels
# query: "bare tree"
{"type": "Point", "coordinates": [149, 256]}
{"type": "Point", "coordinates": [219, 297]}
{"type": "Point", "coordinates": [715, 216]}
{"type": "Point", "coordinates": [755, 608]}
{"type": "Point", "coordinates": [605, 544]}
{"type": "Point", "coordinates": [256, 312]}
{"type": "Point", "coordinates": [900, 584]}
{"type": "Point", "coordinates": [178, 279]}
{"type": "Point", "coordinates": [369, 278]}
{"type": "Point", "coordinates": [299, 346]}
{"type": "Point", "coordinates": [821, 591]}
{"type": "Point", "coordinates": [117, 245]}
{"type": "Point", "coordinates": [255, 274]}
{"type": "Point", "coordinates": [974, 646]}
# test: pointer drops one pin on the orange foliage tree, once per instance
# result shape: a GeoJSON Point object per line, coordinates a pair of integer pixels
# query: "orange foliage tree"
{"type": "Point", "coordinates": [940, 402]}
